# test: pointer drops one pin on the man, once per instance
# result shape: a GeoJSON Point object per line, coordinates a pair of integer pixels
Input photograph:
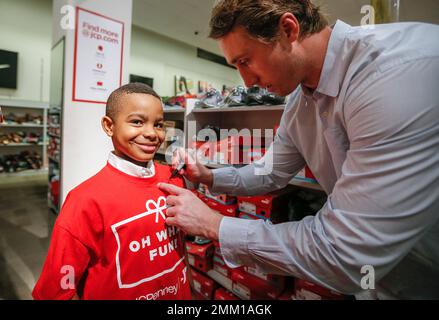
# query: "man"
{"type": "Point", "coordinates": [367, 124]}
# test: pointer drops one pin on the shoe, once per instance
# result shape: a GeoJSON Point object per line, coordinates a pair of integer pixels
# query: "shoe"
{"type": "Point", "coordinates": [211, 99]}
{"type": "Point", "coordinates": [236, 97]}
{"type": "Point", "coordinates": [201, 240]}
{"type": "Point", "coordinates": [254, 96]}
{"type": "Point", "coordinates": [32, 138]}
{"type": "Point", "coordinates": [272, 99]}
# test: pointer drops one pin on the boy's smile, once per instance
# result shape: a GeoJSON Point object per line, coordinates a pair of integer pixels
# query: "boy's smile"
{"type": "Point", "coordinates": [137, 130]}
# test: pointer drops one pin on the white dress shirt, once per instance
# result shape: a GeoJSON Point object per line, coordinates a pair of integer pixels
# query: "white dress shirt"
{"type": "Point", "coordinates": [370, 134]}
{"type": "Point", "coordinates": [130, 168]}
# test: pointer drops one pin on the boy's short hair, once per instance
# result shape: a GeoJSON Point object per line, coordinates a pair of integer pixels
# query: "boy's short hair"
{"type": "Point", "coordinates": [260, 18]}
{"type": "Point", "coordinates": [112, 107]}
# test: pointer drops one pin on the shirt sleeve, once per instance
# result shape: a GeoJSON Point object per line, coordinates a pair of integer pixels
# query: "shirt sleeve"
{"type": "Point", "coordinates": [74, 243]}
{"type": "Point", "coordinates": [65, 264]}
{"type": "Point", "coordinates": [384, 202]}
{"type": "Point", "coordinates": [280, 164]}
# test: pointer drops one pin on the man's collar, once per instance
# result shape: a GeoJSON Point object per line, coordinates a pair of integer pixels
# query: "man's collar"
{"type": "Point", "coordinates": [332, 74]}
{"type": "Point", "coordinates": [130, 168]}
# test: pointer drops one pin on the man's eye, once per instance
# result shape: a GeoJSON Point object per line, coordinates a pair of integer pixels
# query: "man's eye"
{"type": "Point", "coordinates": [243, 62]}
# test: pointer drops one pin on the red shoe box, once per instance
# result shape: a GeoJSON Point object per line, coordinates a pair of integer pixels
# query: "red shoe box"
{"type": "Point", "coordinates": [306, 290]}
{"type": "Point", "coordinates": [225, 210]}
{"type": "Point", "coordinates": [250, 216]}
{"type": "Point", "coordinates": [223, 294]}
{"type": "Point", "coordinates": [269, 206]}
{"type": "Point", "coordinates": [200, 256]}
{"type": "Point", "coordinates": [220, 266]}
{"type": "Point", "coordinates": [221, 198]}
{"type": "Point", "coordinates": [276, 280]}
{"type": "Point", "coordinates": [254, 288]}
{"type": "Point", "coordinates": [202, 284]}
{"type": "Point", "coordinates": [287, 295]}
{"type": "Point", "coordinates": [228, 151]}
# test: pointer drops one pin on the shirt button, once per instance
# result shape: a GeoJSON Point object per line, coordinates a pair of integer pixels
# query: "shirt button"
{"type": "Point", "coordinates": [325, 114]}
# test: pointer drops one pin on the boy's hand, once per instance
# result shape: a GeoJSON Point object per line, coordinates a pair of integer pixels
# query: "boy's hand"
{"type": "Point", "coordinates": [194, 171]}
{"type": "Point", "coordinates": [187, 212]}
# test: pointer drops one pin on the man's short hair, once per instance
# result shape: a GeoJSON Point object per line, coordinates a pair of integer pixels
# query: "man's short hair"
{"type": "Point", "coordinates": [261, 18]}
{"type": "Point", "coordinates": [113, 102]}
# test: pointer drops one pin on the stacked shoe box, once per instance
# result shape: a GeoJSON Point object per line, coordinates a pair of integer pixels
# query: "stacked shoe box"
{"type": "Point", "coordinates": [250, 282]}
{"type": "Point", "coordinates": [200, 256]}
{"type": "Point", "coordinates": [306, 290]}
{"type": "Point", "coordinates": [272, 206]}
{"type": "Point", "coordinates": [203, 286]}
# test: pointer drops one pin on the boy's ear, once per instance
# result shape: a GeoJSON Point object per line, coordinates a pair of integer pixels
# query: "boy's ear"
{"type": "Point", "coordinates": [107, 125]}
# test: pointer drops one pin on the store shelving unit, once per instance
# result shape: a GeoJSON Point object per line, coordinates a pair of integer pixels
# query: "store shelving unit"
{"type": "Point", "coordinates": [22, 107]}
{"type": "Point", "coordinates": [250, 117]}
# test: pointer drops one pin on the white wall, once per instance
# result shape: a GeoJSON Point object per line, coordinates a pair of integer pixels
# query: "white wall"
{"type": "Point", "coordinates": [26, 27]}
{"type": "Point", "coordinates": [162, 58]}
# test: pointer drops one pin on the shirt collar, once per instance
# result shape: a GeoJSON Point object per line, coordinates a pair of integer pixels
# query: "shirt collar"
{"type": "Point", "coordinates": [130, 168]}
{"type": "Point", "coordinates": [333, 67]}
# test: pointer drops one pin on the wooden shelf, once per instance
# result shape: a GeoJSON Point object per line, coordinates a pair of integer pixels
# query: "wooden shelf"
{"type": "Point", "coordinates": [240, 109]}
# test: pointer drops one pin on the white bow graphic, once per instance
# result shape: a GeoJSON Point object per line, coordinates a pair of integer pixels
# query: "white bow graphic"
{"type": "Point", "coordinates": [157, 208]}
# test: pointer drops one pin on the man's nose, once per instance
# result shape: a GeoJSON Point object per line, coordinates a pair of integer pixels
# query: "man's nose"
{"type": "Point", "coordinates": [249, 78]}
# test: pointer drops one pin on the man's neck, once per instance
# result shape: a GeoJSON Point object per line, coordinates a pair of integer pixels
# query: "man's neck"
{"type": "Point", "coordinates": [315, 48]}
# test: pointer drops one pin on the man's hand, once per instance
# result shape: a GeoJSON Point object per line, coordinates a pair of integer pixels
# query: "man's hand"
{"type": "Point", "coordinates": [189, 213]}
{"type": "Point", "coordinates": [195, 171]}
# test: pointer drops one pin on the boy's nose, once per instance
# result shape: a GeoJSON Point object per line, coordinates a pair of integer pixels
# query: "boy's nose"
{"type": "Point", "coordinates": [149, 133]}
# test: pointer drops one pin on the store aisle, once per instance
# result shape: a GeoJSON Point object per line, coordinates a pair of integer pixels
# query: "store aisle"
{"type": "Point", "coordinates": [24, 236]}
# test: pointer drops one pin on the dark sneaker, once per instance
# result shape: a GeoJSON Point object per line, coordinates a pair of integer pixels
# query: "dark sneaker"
{"type": "Point", "coordinates": [254, 96]}
{"type": "Point", "coordinates": [272, 99]}
{"type": "Point", "coordinates": [237, 97]}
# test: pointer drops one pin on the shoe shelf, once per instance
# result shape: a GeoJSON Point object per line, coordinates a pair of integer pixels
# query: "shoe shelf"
{"type": "Point", "coordinates": [23, 125]}
{"type": "Point", "coordinates": [24, 118]}
{"type": "Point", "coordinates": [25, 173]}
{"type": "Point", "coordinates": [23, 144]}
{"type": "Point", "coordinates": [241, 108]}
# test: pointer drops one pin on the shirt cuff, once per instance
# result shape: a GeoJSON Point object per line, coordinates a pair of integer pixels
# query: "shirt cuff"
{"type": "Point", "coordinates": [233, 233]}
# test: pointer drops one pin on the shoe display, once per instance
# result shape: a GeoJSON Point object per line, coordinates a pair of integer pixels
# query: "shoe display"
{"type": "Point", "coordinates": [20, 137]}
{"type": "Point", "coordinates": [237, 97]}
{"type": "Point", "coordinates": [211, 99]}
{"type": "Point", "coordinates": [25, 160]}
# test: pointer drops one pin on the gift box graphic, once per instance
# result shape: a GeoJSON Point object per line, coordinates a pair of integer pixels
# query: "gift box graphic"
{"type": "Point", "coordinates": [146, 248]}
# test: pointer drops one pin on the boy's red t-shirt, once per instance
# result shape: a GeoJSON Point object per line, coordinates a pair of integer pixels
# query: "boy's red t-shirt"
{"type": "Point", "coordinates": [110, 241]}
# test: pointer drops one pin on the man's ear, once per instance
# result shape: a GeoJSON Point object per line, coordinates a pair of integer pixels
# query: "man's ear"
{"type": "Point", "coordinates": [107, 124]}
{"type": "Point", "coordinates": [289, 26]}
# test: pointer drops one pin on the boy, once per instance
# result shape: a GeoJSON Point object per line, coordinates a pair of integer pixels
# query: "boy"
{"type": "Point", "coordinates": [110, 240]}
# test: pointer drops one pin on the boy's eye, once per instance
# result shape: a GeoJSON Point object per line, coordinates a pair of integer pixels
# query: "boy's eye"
{"type": "Point", "coordinates": [159, 125]}
{"type": "Point", "coordinates": [137, 122]}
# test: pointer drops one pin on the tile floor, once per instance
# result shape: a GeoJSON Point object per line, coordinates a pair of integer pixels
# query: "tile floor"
{"type": "Point", "coordinates": [24, 234]}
